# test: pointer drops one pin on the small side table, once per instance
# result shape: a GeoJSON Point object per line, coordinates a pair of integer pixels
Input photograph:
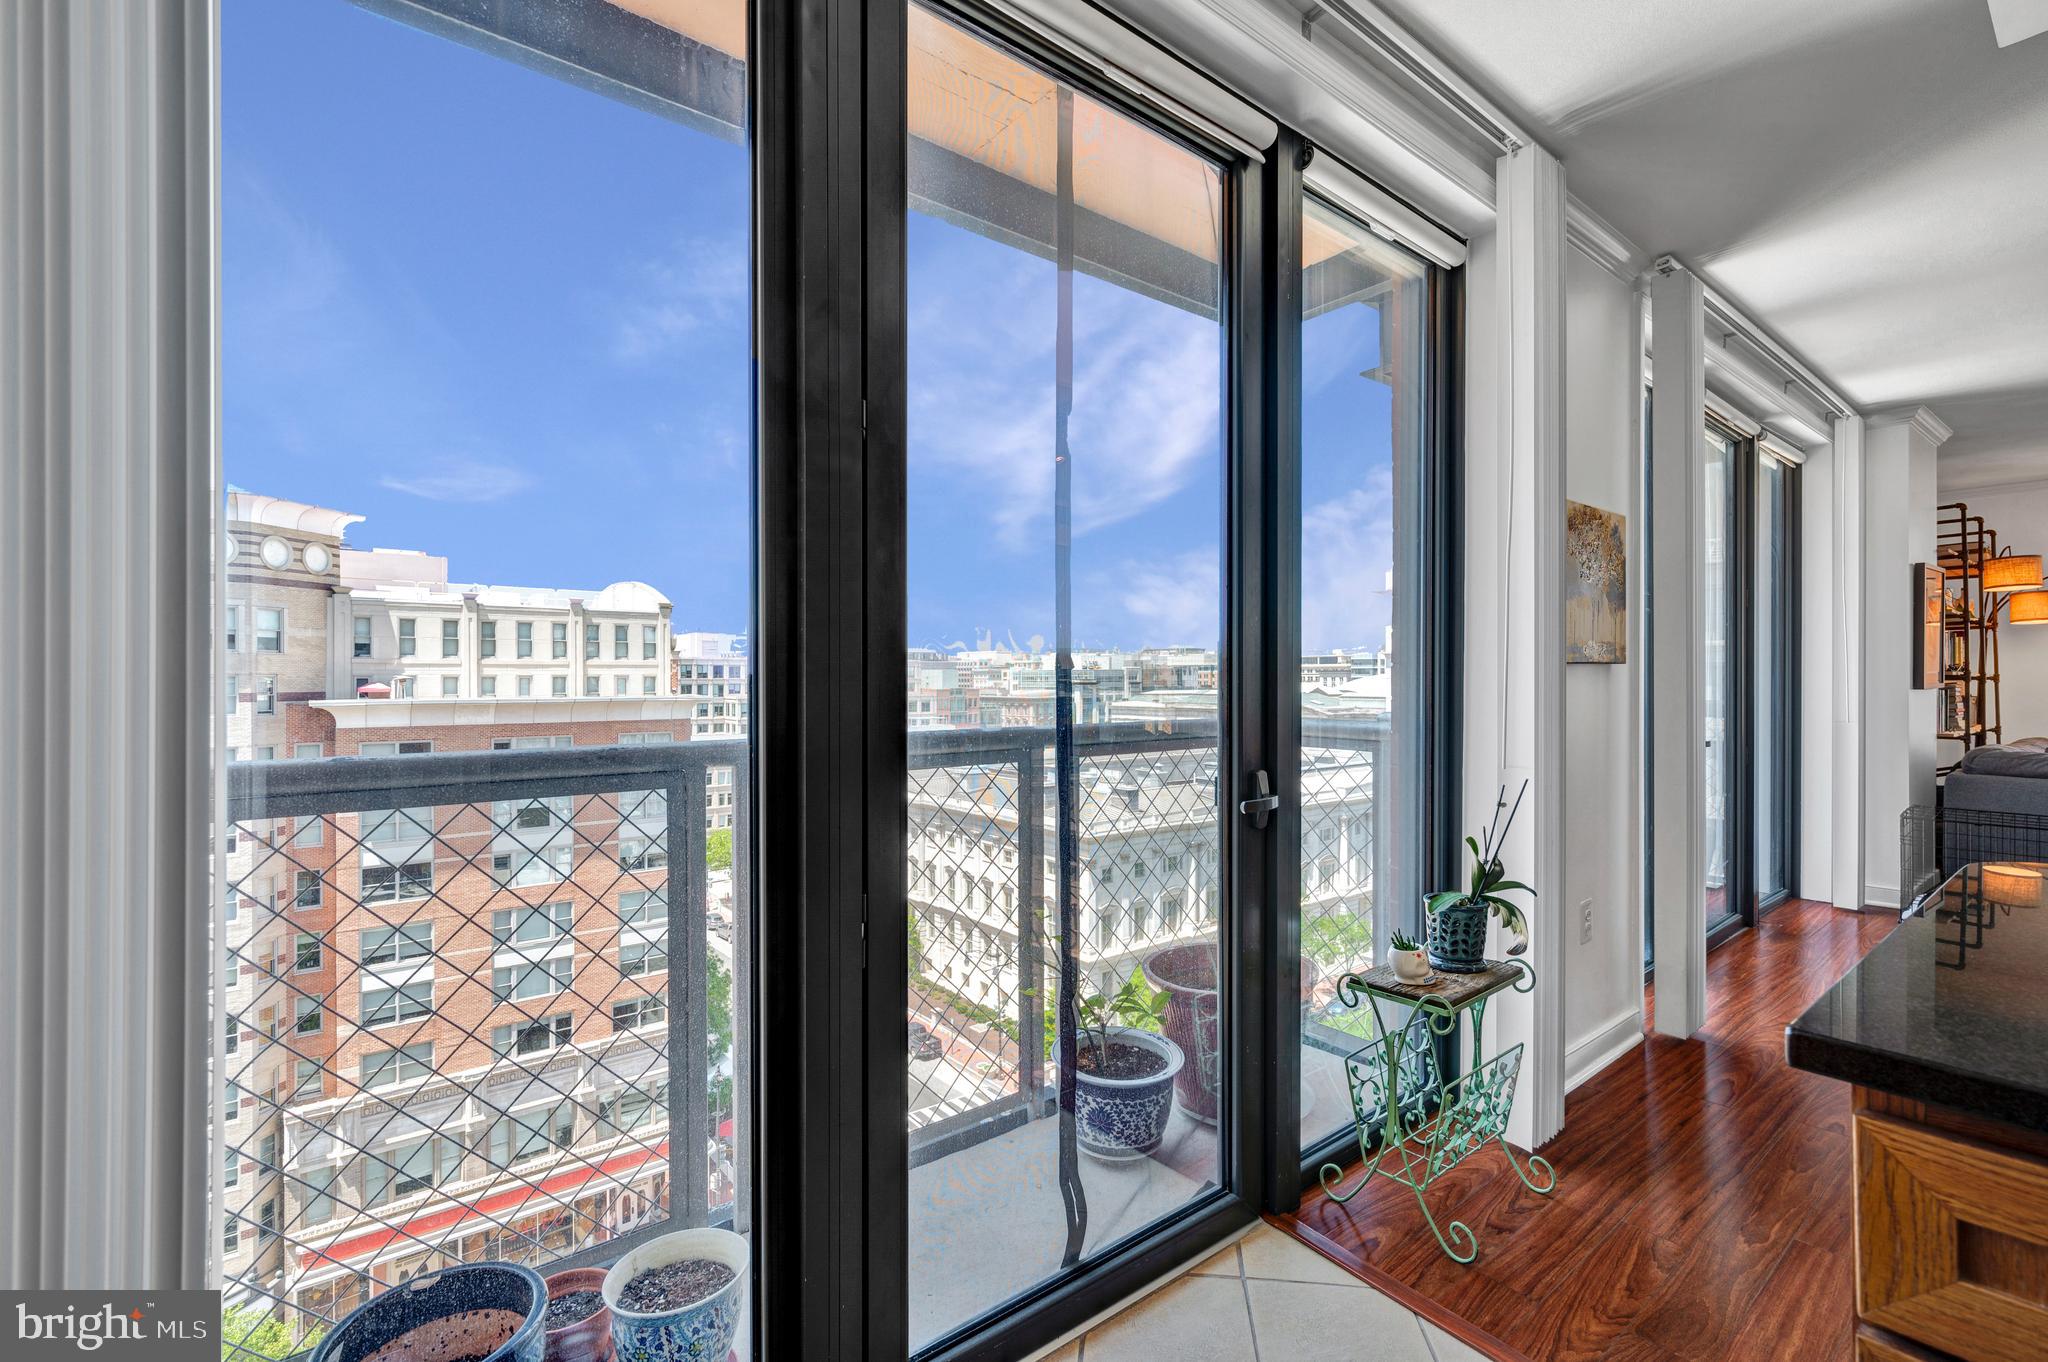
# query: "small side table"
{"type": "Point", "coordinates": [1396, 1080]}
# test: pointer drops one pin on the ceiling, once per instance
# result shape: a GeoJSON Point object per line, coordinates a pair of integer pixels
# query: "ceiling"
{"type": "Point", "coordinates": [1866, 178]}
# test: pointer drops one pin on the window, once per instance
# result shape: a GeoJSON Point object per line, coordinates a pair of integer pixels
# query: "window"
{"type": "Point", "coordinates": [266, 752]}
{"type": "Point", "coordinates": [643, 908]}
{"type": "Point", "coordinates": [382, 1006]}
{"type": "Point", "coordinates": [643, 957]}
{"type": "Point", "coordinates": [559, 636]}
{"type": "Point", "coordinates": [545, 923]}
{"type": "Point", "coordinates": [409, 747]}
{"type": "Point", "coordinates": [487, 638]}
{"type": "Point", "coordinates": [234, 693]}
{"type": "Point", "coordinates": [231, 636]}
{"type": "Point", "coordinates": [309, 751]}
{"type": "Point", "coordinates": [391, 945]}
{"type": "Point", "coordinates": [319, 1194]}
{"type": "Point", "coordinates": [270, 631]}
{"type": "Point", "coordinates": [488, 685]}
{"type": "Point", "coordinates": [526, 685]}
{"type": "Point", "coordinates": [620, 633]}
{"type": "Point", "coordinates": [561, 685]}
{"type": "Point", "coordinates": [362, 641]}
{"type": "Point", "coordinates": [389, 883]}
{"type": "Point", "coordinates": [450, 685]}
{"type": "Point", "coordinates": [231, 1233]}
{"type": "Point", "coordinates": [533, 979]}
{"type": "Point", "coordinates": [410, 1168]}
{"type": "Point", "coordinates": [619, 684]}
{"type": "Point", "coordinates": [533, 865]}
{"type": "Point", "coordinates": [306, 954]}
{"type": "Point", "coordinates": [525, 1134]}
{"type": "Point", "coordinates": [232, 1174]}
{"type": "Point", "coordinates": [406, 1064]}
{"type": "Point", "coordinates": [408, 644]}
{"type": "Point", "coordinates": [451, 638]}
{"type": "Point", "coordinates": [634, 1108]}
{"type": "Point", "coordinates": [306, 1016]}
{"type": "Point", "coordinates": [647, 685]}
{"type": "Point", "coordinates": [266, 1228]}
{"type": "Point", "coordinates": [635, 1013]}
{"type": "Point", "coordinates": [266, 695]}
{"type": "Point", "coordinates": [231, 1101]}
{"type": "Point", "coordinates": [590, 685]}
{"type": "Point", "coordinates": [649, 637]}
{"type": "Point", "coordinates": [589, 641]}
{"type": "Point", "coordinates": [532, 1037]}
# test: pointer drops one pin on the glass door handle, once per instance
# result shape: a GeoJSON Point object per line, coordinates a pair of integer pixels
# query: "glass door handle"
{"type": "Point", "coordinates": [1259, 808]}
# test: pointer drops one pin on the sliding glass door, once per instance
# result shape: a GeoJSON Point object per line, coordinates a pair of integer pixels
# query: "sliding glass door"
{"type": "Point", "coordinates": [1775, 667]}
{"type": "Point", "coordinates": [1063, 689]}
{"type": "Point", "coordinates": [1722, 619]}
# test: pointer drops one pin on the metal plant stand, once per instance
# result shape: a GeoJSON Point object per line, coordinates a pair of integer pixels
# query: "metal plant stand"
{"type": "Point", "coordinates": [1396, 1081]}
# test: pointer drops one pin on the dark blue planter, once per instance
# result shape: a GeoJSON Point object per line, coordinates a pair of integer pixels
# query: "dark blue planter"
{"type": "Point", "coordinates": [1119, 1119]}
{"type": "Point", "coordinates": [489, 1310]}
{"type": "Point", "coordinates": [1457, 938]}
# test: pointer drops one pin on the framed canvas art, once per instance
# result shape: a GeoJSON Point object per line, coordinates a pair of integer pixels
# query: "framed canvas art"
{"type": "Point", "coordinates": [1595, 584]}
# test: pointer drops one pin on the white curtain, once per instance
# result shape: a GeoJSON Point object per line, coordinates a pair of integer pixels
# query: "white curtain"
{"type": "Point", "coordinates": [107, 416]}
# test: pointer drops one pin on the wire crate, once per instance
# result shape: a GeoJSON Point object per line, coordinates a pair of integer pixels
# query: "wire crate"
{"type": "Point", "coordinates": [1934, 843]}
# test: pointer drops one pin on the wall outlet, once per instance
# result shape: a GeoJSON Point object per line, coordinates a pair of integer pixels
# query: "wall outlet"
{"type": "Point", "coordinates": [1585, 922]}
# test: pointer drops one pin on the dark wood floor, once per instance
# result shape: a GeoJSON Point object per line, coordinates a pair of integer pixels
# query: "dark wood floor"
{"type": "Point", "coordinates": [1703, 1207]}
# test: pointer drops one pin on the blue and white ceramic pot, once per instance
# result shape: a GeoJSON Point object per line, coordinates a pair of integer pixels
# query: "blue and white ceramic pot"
{"type": "Point", "coordinates": [699, 1332]}
{"type": "Point", "coordinates": [491, 1311]}
{"type": "Point", "coordinates": [1457, 938]}
{"type": "Point", "coordinates": [1120, 1119]}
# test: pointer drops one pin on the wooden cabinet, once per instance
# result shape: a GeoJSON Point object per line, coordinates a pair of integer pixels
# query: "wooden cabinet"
{"type": "Point", "coordinates": [1951, 1238]}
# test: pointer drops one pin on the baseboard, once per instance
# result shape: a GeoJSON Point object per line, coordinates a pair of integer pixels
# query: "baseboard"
{"type": "Point", "coordinates": [1881, 896]}
{"type": "Point", "coordinates": [1602, 1048]}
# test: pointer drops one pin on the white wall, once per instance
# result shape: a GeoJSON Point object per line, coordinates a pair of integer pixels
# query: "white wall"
{"type": "Point", "coordinates": [1603, 978]}
{"type": "Point", "coordinates": [2019, 513]}
{"type": "Point", "coordinates": [1898, 721]}
{"type": "Point", "coordinates": [1818, 660]}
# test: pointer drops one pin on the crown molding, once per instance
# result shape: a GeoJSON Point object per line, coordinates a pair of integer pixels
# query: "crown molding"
{"type": "Point", "coordinates": [1599, 241]}
{"type": "Point", "coordinates": [1929, 426]}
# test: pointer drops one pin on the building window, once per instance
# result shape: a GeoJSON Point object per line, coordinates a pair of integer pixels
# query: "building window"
{"type": "Point", "coordinates": [620, 683]}
{"type": "Point", "coordinates": [234, 693]}
{"type": "Point", "coordinates": [410, 1168]}
{"type": "Point", "coordinates": [266, 695]}
{"type": "Point", "coordinates": [487, 638]}
{"type": "Point", "coordinates": [561, 685]}
{"type": "Point", "coordinates": [648, 636]}
{"type": "Point", "coordinates": [532, 979]}
{"type": "Point", "coordinates": [309, 751]}
{"type": "Point", "coordinates": [231, 1234]}
{"type": "Point", "coordinates": [450, 685]}
{"type": "Point", "coordinates": [319, 1196]}
{"type": "Point", "coordinates": [516, 1137]}
{"type": "Point", "coordinates": [489, 685]}
{"type": "Point", "coordinates": [647, 685]}
{"type": "Point", "coordinates": [389, 883]}
{"type": "Point", "coordinates": [306, 952]}
{"type": "Point", "coordinates": [559, 631]}
{"type": "Point", "coordinates": [533, 865]}
{"type": "Point", "coordinates": [589, 641]}
{"type": "Point", "coordinates": [634, 1013]}
{"type": "Point", "coordinates": [234, 630]}
{"type": "Point", "coordinates": [408, 642]}
{"type": "Point", "coordinates": [620, 633]}
{"type": "Point", "coordinates": [532, 1037]}
{"type": "Point", "coordinates": [232, 1174]}
{"type": "Point", "coordinates": [270, 631]}
{"type": "Point", "coordinates": [411, 747]}
{"type": "Point", "coordinates": [406, 1064]}
{"type": "Point", "coordinates": [635, 1107]}
{"type": "Point", "coordinates": [525, 638]}
{"type": "Point", "coordinates": [383, 1006]}
{"type": "Point", "coordinates": [362, 649]}
{"type": "Point", "coordinates": [306, 1016]}
{"type": "Point", "coordinates": [545, 923]}
{"type": "Point", "coordinates": [231, 1101]}
{"type": "Point", "coordinates": [590, 685]}
{"type": "Point", "coordinates": [644, 957]}
{"type": "Point", "coordinates": [391, 945]}
{"type": "Point", "coordinates": [526, 685]}
{"type": "Point", "coordinates": [266, 752]}
{"type": "Point", "coordinates": [451, 638]}
{"type": "Point", "coordinates": [266, 1228]}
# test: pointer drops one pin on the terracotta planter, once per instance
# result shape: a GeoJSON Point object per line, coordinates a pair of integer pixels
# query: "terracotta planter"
{"type": "Point", "coordinates": [484, 1310]}
{"type": "Point", "coordinates": [1187, 975]}
{"type": "Point", "coordinates": [589, 1339]}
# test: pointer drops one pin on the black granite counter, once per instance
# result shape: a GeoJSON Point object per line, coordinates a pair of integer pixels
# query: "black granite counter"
{"type": "Point", "coordinates": [1952, 1007]}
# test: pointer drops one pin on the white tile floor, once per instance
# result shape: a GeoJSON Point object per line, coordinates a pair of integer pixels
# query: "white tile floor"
{"type": "Point", "coordinates": [1266, 1299]}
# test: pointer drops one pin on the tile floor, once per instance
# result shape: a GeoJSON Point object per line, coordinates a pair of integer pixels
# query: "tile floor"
{"type": "Point", "coordinates": [1266, 1298]}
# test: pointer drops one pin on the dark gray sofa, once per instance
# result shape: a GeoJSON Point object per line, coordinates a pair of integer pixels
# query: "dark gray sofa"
{"type": "Point", "coordinates": [2008, 779]}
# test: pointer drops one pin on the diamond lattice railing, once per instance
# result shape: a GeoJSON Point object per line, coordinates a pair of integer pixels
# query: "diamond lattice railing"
{"type": "Point", "coordinates": [456, 989]}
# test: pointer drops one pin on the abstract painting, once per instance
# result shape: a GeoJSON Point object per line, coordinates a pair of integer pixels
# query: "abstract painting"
{"type": "Point", "coordinates": [1595, 584]}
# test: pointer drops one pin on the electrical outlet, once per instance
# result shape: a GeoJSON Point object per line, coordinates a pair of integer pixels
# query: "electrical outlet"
{"type": "Point", "coordinates": [1585, 922]}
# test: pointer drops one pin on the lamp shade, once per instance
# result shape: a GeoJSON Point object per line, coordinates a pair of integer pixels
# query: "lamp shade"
{"type": "Point", "coordinates": [2013, 572]}
{"type": "Point", "coordinates": [2019, 885]}
{"type": "Point", "coordinates": [2029, 607]}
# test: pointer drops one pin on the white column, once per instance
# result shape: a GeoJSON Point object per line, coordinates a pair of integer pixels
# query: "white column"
{"type": "Point", "coordinates": [1514, 518]}
{"type": "Point", "coordinates": [1677, 717]}
{"type": "Point", "coordinates": [1846, 834]}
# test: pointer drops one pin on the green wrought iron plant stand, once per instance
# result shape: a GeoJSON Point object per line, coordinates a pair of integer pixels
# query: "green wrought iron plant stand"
{"type": "Point", "coordinates": [1414, 1125]}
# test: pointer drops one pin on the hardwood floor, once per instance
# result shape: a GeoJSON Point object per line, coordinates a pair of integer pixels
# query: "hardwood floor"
{"type": "Point", "coordinates": [1703, 1209]}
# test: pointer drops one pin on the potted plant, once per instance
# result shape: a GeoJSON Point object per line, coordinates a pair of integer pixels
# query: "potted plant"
{"type": "Point", "coordinates": [1186, 973]}
{"type": "Point", "coordinates": [678, 1298]}
{"type": "Point", "coordinates": [1411, 965]}
{"type": "Point", "coordinates": [579, 1327]}
{"type": "Point", "coordinates": [1457, 917]}
{"type": "Point", "coordinates": [1124, 1072]}
{"type": "Point", "coordinates": [488, 1311]}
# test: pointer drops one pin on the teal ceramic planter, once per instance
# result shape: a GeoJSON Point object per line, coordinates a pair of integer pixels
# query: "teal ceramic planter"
{"type": "Point", "coordinates": [1457, 938]}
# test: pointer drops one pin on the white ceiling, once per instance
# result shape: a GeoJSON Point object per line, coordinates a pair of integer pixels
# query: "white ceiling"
{"type": "Point", "coordinates": [1867, 178]}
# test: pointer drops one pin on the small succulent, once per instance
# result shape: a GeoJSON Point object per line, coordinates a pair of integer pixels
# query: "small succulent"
{"type": "Point", "coordinates": [1403, 942]}
{"type": "Point", "coordinates": [1490, 884]}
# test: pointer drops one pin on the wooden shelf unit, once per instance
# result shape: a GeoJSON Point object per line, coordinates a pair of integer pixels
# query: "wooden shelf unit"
{"type": "Point", "coordinates": [1963, 544]}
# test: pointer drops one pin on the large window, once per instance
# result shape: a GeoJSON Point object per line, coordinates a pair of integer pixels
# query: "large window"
{"type": "Point", "coordinates": [1365, 451]}
{"type": "Point", "coordinates": [486, 394]}
{"type": "Point", "coordinates": [1066, 464]}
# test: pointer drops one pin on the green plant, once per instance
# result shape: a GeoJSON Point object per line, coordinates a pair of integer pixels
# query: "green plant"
{"type": "Point", "coordinates": [249, 1333]}
{"type": "Point", "coordinates": [1135, 1004]}
{"type": "Point", "coordinates": [718, 849]}
{"type": "Point", "coordinates": [1401, 941]}
{"type": "Point", "coordinates": [1490, 884]}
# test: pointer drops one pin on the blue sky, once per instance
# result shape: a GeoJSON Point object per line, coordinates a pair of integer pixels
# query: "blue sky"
{"type": "Point", "coordinates": [505, 319]}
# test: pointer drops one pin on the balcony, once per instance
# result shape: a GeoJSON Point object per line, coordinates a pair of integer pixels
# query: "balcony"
{"type": "Point", "coordinates": [488, 1005]}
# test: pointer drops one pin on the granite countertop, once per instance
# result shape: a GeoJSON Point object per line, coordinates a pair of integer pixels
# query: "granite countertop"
{"type": "Point", "coordinates": [1952, 1007]}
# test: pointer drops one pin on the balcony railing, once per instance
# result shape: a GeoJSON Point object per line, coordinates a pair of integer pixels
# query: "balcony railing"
{"type": "Point", "coordinates": [492, 1004]}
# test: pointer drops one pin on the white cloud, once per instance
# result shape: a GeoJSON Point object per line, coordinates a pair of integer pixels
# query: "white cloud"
{"type": "Point", "coordinates": [1347, 544]}
{"type": "Point", "coordinates": [461, 480]}
{"type": "Point", "coordinates": [1175, 600]}
{"type": "Point", "coordinates": [700, 281]}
